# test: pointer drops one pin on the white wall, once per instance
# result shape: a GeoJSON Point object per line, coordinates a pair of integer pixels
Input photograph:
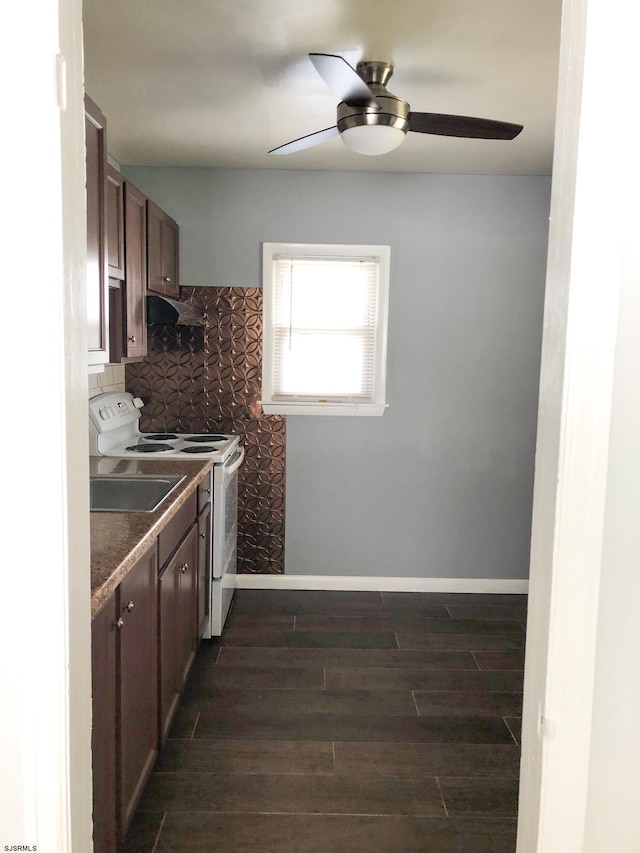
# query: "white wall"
{"type": "Point", "coordinates": [614, 777]}
{"type": "Point", "coordinates": [45, 713]}
{"type": "Point", "coordinates": [581, 742]}
{"type": "Point", "coordinates": [441, 485]}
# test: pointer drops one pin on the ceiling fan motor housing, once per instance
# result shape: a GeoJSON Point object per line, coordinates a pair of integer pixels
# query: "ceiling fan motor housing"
{"type": "Point", "coordinates": [389, 110]}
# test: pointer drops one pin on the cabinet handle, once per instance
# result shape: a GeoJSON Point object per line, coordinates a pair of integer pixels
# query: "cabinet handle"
{"type": "Point", "coordinates": [184, 568]}
{"type": "Point", "coordinates": [208, 491]}
{"type": "Point", "coordinates": [203, 535]}
{"type": "Point", "coordinates": [132, 339]}
{"type": "Point", "coordinates": [130, 606]}
{"type": "Point", "coordinates": [167, 278]}
{"type": "Point", "coordinates": [120, 622]}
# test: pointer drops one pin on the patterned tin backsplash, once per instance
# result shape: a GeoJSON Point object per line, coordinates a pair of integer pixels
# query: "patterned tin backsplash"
{"type": "Point", "coordinates": [209, 380]}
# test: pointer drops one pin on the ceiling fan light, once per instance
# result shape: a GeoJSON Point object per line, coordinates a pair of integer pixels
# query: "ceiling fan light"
{"type": "Point", "coordinates": [372, 139]}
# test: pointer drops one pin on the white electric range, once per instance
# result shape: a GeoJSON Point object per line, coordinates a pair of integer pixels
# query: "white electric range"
{"type": "Point", "coordinates": [114, 430]}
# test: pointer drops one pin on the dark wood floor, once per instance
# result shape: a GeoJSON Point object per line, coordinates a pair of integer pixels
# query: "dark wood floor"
{"type": "Point", "coordinates": [346, 722]}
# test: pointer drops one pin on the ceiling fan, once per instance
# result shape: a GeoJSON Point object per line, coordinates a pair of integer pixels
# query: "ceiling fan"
{"type": "Point", "coordinates": [373, 121]}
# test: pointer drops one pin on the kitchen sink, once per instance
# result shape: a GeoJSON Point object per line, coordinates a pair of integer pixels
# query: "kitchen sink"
{"type": "Point", "coordinates": [130, 492]}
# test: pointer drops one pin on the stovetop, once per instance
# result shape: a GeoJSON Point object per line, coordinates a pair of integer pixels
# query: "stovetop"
{"type": "Point", "coordinates": [197, 446]}
{"type": "Point", "coordinates": [114, 431]}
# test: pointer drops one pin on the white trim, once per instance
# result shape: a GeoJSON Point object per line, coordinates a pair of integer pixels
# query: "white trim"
{"type": "Point", "coordinates": [320, 408]}
{"type": "Point", "coordinates": [513, 586]}
{"type": "Point", "coordinates": [592, 213]}
{"type": "Point", "coordinates": [376, 405]}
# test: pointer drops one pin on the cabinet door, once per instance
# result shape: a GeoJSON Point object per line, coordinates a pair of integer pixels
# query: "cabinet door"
{"type": "Point", "coordinates": [115, 223]}
{"type": "Point", "coordinates": [178, 625]}
{"type": "Point", "coordinates": [187, 604]}
{"type": "Point", "coordinates": [162, 252]}
{"type": "Point", "coordinates": [170, 257]}
{"type": "Point", "coordinates": [168, 647]}
{"type": "Point", "coordinates": [97, 296]}
{"type": "Point", "coordinates": [138, 681]}
{"type": "Point", "coordinates": [135, 322]}
{"type": "Point", "coordinates": [155, 219]}
{"type": "Point", "coordinates": [204, 569]}
{"type": "Point", "coordinates": [103, 734]}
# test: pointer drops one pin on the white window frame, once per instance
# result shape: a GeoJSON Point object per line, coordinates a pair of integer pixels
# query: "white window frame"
{"type": "Point", "coordinates": [378, 404]}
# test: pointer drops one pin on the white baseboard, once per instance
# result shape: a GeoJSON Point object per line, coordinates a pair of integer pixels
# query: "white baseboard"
{"type": "Point", "coordinates": [384, 584]}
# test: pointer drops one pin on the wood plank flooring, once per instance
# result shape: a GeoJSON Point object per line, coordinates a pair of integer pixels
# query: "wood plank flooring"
{"type": "Point", "coordinates": [343, 722]}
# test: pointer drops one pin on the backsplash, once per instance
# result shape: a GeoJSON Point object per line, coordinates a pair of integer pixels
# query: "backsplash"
{"type": "Point", "coordinates": [209, 380]}
{"type": "Point", "coordinates": [110, 380]}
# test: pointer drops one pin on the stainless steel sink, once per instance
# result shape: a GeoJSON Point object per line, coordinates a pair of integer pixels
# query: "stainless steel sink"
{"type": "Point", "coordinates": [131, 492]}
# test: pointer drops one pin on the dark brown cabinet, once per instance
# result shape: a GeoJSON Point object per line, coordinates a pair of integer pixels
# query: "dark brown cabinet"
{"type": "Point", "coordinates": [97, 289]}
{"type": "Point", "coordinates": [143, 643]}
{"type": "Point", "coordinates": [204, 568]}
{"type": "Point", "coordinates": [178, 608]}
{"type": "Point", "coordinates": [204, 553]}
{"type": "Point", "coordinates": [124, 666]}
{"type": "Point", "coordinates": [128, 320]}
{"type": "Point", "coordinates": [162, 252]}
{"type": "Point", "coordinates": [187, 610]}
{"type": "Point", "coordinates": [115, 225]}
{"type": "Point", "coordinates": [137, 682]}
{"type": "Point", "coordinates": [132, 248]}
{"type": "Point", "coordinates": [135, 314]}
{"type": "Point", "coordinates": [103, 734]}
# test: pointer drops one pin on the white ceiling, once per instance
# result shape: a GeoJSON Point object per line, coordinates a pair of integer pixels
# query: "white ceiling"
{"type": "Point", "coordinates": [220, 82]}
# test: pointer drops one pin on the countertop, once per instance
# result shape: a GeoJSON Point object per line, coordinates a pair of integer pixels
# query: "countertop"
{"type": "Point", "coordinates": [118, 539]}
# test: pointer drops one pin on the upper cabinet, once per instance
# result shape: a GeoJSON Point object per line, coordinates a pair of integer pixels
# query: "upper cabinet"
{"type": "Point", "coordinates": [132, 249]}
{"type": "Point", "coordinates": [115, 224]}
{"type": "Point", "coordinates": [135, 314]}
{"type": "Point", "coordinates": [162, 252]}
{"type": "Point", "coordinates": [97, 295]}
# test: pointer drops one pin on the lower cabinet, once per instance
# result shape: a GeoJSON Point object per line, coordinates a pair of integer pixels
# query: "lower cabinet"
{"type": "Point", "coordinates": [143, 643]}
{"type": "Point", "coordinates": [124, 738]}
{"type": "Point", "coordinates": [137, 680]}
{"type": "Point", "coordinates": [103, 734]}
{"type": "Point", "coordinates": [204, 568]}
{"type": "Point", "coordinates": [178, 609]}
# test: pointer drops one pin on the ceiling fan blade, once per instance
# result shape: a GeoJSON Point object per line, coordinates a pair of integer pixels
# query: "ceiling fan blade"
{"type": "Point", "coordinates": [343, 80]}
{"type": "Point", "coordinates": [465, 126]}
{"type": "Point", "coordinates": [306, 141]}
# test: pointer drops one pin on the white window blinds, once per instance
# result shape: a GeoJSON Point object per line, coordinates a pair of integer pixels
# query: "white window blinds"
{"type": "Point", "coordinates": [325, 310]}
{"type": "Point", "coordinates": [324, 328]}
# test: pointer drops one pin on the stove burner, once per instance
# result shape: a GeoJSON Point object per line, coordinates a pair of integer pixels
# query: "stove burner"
{"type": "Point", "coordinates": [215, 437]}
{"type": "Point", "coordinates": [149, 448]}
{"type": "Point", "coordinates": [160, 436]}
{"type": "Point", "coordinates": [198, 449]}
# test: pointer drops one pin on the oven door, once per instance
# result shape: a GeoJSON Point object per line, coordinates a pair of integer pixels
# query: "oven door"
{"type": "Point", "coordinates": [225, 512]}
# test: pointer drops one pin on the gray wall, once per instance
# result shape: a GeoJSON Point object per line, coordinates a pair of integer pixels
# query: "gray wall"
{"type": "Point", "coordinates": [441, 485]}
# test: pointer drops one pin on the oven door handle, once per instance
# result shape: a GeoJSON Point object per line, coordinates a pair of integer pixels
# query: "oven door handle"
{"type": "Point", "coordinates": [237, 462]}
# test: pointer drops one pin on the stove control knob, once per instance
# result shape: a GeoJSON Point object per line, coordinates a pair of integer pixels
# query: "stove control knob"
{"type": "Point", "coordinates": [130, 606]}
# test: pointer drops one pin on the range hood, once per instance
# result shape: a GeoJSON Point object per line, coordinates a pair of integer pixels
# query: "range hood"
{"type": "Point", "coordinates": [163, 311]}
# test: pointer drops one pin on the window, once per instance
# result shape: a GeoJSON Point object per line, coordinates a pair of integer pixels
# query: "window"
{"type": "Point", "coordinates": [325, 329]}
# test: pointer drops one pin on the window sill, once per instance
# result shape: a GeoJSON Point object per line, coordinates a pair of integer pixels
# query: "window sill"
{"type": "Point", "coordinates": [352, 409]}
